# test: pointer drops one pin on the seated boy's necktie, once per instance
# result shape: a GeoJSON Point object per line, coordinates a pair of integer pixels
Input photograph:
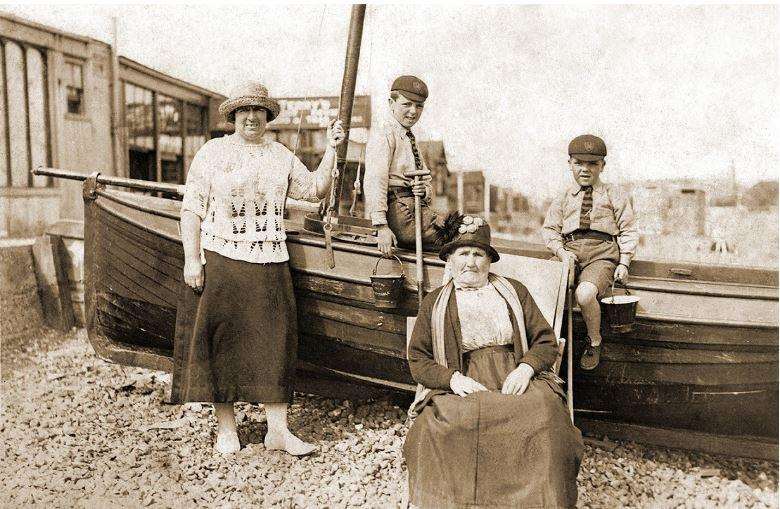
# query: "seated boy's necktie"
{"type": "Point", "coordinates": [587, 206]}
{"type": "Point", "coordinates": [417, 160]}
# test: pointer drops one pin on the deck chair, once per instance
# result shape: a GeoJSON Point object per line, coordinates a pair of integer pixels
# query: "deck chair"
{"type": "Point", "coordinates": [550, 283]}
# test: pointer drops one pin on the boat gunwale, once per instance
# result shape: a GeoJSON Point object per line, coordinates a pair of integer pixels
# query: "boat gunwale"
{"type": "Point", "coordinates": [109, 195]}
{"type": "Point", "coordinates": [311, 238]}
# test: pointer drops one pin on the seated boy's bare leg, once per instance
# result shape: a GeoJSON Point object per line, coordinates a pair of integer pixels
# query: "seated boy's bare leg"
{"type": "Point", "coordinates": [586, 294]}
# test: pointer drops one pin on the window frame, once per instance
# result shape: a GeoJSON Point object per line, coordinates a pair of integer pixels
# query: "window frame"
{"type": "Point", "coordinates": [81, 63]}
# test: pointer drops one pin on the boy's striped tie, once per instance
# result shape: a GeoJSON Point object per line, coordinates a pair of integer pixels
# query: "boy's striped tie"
{"type": "Point", "coordinates": [417, 160]}
{"type": "Point", "coordinates": [587, 206]}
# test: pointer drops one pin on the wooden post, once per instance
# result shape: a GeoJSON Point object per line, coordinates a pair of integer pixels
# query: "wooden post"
{"type": "Point", "coordinates": [461, 199]}
{"type": "Point", "coordinates": [53, 285]}
{"type": "Point", "coordinates": [348, 94]}
{"type": "Point", "coordinates": [156, 129]}
{"type": "Point", "coordinates": [486, 200]}
{"type": "Point", "coordinates": [117, 133]}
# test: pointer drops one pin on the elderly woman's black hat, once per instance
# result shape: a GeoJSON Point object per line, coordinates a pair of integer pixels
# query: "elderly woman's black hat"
{"type": "Point", "coordinates": [460, 231]}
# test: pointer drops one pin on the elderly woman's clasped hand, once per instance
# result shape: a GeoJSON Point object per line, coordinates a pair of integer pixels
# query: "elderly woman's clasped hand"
{"type": "Point", "coordinates": [517, 381]}
{"type": "Point", "coordinates": [463, 385]}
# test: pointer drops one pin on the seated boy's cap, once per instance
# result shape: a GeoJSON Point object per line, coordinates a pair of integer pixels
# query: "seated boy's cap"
{"type": "Point", "coordinates": [587, 148]}
{"type": "Point", "coordinates": [411, 87]}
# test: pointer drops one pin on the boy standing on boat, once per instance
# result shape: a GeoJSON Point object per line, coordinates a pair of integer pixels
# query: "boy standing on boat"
{"type": "Point", "coordinates": [391, 152]}
{"type": "Point", "coordinates": [592, 224]}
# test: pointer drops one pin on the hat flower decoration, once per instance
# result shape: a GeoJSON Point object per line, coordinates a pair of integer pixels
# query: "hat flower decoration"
{"type": "Point", "coordinates": [470, 224]}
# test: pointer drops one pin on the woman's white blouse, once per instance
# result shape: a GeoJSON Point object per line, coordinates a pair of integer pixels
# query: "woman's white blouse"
{"type": "Point", "coordinates": [484, 318]}
{"type": "Point", "coordinates": [239, 192]}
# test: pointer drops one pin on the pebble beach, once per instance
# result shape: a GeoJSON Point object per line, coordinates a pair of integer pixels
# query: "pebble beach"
{"type": "Point", "coordinates": [80, 432]}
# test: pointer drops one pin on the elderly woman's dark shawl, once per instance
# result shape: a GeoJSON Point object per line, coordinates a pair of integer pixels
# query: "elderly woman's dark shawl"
{"type": "Point", "coordinates": [507, 291]}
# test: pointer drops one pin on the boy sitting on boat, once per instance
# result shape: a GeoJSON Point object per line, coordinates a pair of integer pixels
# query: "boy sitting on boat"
{"type": "Point", "coordinates": [391, 152]}
{"type": "Point", "coordinates": [592, 224]}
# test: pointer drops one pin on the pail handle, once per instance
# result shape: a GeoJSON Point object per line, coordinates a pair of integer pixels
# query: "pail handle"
{"type": "Point", "coordinates": [613, 289]}
{"type": "Point", "coordinates": [382, 257]}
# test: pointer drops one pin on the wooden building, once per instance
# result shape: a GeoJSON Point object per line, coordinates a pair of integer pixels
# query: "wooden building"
{"type": "Point", "coordinates": [165, 122]}
{"type": "Point", "coordinates": [60, 108]}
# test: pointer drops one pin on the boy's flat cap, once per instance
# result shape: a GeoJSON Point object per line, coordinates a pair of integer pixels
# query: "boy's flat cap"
{"type": "Point", "coordinates": [587, 148]}
{"type": "Point", "coordinates": [411, 87]}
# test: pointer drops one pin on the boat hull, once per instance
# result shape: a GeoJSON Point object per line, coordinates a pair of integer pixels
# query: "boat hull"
{"type": "Point", "coordinates": [702, 356]}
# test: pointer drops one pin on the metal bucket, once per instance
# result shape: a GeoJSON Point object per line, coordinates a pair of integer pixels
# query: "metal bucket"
{"type": "Point", "coordinates": [620, 310]}
{"type": "Point", "coordinates": [387, 287]}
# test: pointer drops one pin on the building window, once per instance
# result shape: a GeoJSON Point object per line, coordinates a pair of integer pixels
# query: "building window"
{"type": "Point", "coordinates": [24, 125]}
{"type": "Point", "coordinates": [163, 134]}
{"type": "Point", "coordinates": [169, 111]}
{"type": "Point", "coordinates": [196, 119]}
{"type": "Point", "coordinates": [139, 118]}
{"type": "Point", "coordinates": [74, 87]}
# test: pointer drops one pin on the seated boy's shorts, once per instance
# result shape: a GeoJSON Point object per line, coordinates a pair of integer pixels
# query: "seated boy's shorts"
{"type": "Point", "coordinates": [597, 261]}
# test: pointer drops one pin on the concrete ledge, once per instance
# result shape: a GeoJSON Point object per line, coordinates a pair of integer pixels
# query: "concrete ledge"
{"type": "Point", "coordinates": [67, 228]}
{"type": "Point", "coordinates": [27, 211]}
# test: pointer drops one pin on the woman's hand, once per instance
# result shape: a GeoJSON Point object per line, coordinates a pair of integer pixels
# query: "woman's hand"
{"type": "Point", "coordinates": [517, 381]}
{"type": "Point", "coordinates": [336, 133]}
{"type": "Point", "coordinates": [463, 385]}
{"type": "Point", "coordinates": [194, 274]}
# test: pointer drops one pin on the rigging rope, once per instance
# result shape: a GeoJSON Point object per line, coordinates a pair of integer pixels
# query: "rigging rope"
{"type": "Point", "coordinates": [307, 97]}
{"type": "Point", "coordinates": [357, 186]}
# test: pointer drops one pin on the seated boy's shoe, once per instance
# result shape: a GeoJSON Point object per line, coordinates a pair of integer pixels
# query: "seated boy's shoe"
{"type": "Point", "coordinates": [590, 357]}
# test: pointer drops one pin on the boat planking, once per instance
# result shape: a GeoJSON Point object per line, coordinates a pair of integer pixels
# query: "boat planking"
{"type": "Point", "coordinates": [702, 356]}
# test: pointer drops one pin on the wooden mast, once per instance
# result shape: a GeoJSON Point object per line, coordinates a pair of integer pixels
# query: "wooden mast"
{"type": "Point", "coordinates": [348, 94]}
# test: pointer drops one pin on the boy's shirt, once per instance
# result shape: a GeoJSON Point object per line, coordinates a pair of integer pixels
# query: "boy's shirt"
{"type": "Point", "coordinates": [612, 213]}
{"type": "Point", "coordinates": [388, 156]}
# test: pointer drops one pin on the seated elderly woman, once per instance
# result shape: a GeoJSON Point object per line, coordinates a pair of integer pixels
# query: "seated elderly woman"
{"type": "Point", "coordinates": [491, 426]}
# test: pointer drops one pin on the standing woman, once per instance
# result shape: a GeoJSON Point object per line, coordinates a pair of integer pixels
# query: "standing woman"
{"type": "Point", "coordinates": [236, 328]}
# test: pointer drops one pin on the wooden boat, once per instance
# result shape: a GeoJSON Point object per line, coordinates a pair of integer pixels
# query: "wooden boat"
{"type": "Point", "coordinates": [699, 369]}
{"type": "Point", "coordinates": [701, 361]}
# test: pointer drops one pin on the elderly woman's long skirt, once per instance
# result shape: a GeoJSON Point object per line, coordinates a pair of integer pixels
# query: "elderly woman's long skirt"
{"type": "Point", "coordinates": [238, 340]}
{"type": "Point", "coordinates": [494, 450]}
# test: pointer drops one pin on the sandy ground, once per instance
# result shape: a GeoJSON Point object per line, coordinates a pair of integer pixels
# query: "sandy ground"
{"type": "Point", "coordinates": [80, 432]}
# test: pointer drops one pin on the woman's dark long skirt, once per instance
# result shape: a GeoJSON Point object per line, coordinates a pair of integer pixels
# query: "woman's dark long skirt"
{"type": "Point", "coordinates": [494, 450]}
{"type": "Point", "coordinates": [238, 340]}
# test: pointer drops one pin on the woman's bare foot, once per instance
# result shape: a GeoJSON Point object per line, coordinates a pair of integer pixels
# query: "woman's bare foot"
{"type": "Point", "coordinates": [227, 436]}
{"type": "Point", "coordinates": [286, 441]}
{"type": "Point", "coordinates": [227, 443]}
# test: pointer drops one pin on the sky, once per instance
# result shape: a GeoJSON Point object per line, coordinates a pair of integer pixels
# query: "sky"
{"type": "Point", "coordinates": [674, 90]}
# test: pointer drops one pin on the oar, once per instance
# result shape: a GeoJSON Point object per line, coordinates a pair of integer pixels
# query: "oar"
{"type": "Point", "coordinates": [418, 174]}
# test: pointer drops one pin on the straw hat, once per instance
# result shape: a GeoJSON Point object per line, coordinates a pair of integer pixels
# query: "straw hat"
{"type": "Point", "coordinates": [251, 93]}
